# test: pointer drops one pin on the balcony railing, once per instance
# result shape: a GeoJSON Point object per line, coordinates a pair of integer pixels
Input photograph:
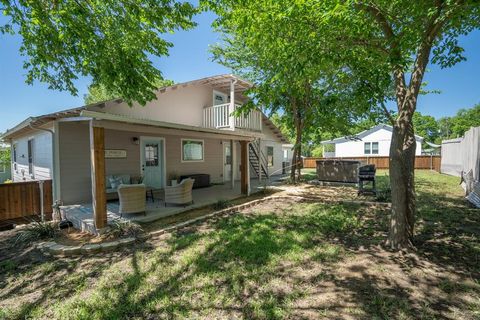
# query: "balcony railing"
{"type": "Point", "coordinates": [218, 117]}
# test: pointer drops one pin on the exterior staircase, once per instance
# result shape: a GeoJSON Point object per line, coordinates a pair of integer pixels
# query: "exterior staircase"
{"type": "Point", "coordinates": [258, 160]}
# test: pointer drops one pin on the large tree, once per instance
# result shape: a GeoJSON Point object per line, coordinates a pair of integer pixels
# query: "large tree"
{"type": "Point", "coordinates": [109, 40]}
{"type": "Point", "coordinates": [401, 37]}
{"type": "Point", "coordinates": [271, 46]}
{"type": "Point", "coordinates": [385, 45]}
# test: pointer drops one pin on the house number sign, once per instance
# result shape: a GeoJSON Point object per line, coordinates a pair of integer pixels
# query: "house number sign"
{"type": "Point", "coordinates": [115, 154]}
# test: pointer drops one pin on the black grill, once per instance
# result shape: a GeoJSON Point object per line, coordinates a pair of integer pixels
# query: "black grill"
{"type": "Point", "coordinates": [366, 174]}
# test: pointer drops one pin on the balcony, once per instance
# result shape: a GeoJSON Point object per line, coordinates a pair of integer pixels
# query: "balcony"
{"type": "Point", "coordinates": [218, 117]}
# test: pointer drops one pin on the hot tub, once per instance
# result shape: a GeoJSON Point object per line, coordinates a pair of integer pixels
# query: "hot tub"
{"type": "Point", "coordinates": [331, 170]}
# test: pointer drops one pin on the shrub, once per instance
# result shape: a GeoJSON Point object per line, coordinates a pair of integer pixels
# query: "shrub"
{"type": "Point", "coordinates": [222, 204]}
{"type": "Point", "coordinates": [122, 228]}
{"type": "Point", "coordinates": [36, 231]}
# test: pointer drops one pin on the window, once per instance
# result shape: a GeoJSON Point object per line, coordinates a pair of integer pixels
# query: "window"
{"type": "Point", "coordinates": [15, 157]}
{"type": "Point", "coordinates": [2, 168]}
{"type": "Point", "coordinates": [270, 156]}
{"type": "Point", "coordinates": [30, 157]}
{"type": "Point", "coordinates": [367, 148]}
{"type": "Point", "coordinates": [371, 148]}
{"type": "Point", "coordinates": [192, 150]}
{"type": "Point", "coordinates": [151, 155]}
{"type": "Point", "coordinates": [285, 154]}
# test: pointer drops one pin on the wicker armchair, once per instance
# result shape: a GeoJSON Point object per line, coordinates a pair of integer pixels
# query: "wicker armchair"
{"type": "Point", "coordinates": [180, 194]}
{"type": "Point", "coordinates": [132, 198]}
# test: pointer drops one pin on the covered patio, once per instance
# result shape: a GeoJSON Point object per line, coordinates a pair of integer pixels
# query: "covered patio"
{"type": "Point", "coordinates": [82, 215]}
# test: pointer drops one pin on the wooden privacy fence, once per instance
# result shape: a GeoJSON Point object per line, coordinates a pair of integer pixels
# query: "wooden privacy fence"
{"type": "Point", "coordinates": [22, 199]}
{"type": "Point", "coordinates": [421, 162]}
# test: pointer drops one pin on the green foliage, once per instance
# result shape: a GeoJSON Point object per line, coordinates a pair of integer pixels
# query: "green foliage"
{"type": "Point", "coordinates": [110, 40]}
{"type": "Point", "coordinates": [35, 231]}
{"type": "Point", "coordinates": [317, 151]}
{"type": "Point", "coordinates": [5, 155]}
{"type": "Point", "coordinates": [456, 126]}
{"type": "Point", "coordinates": [119, 228]}
{"type": "Point", "coordinates": [98, 92]}
{"type": "Point", "coordinates": [425, 126]}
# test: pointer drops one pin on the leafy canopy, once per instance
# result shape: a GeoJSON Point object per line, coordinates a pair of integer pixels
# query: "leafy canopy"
{"type": "Point", "coordinates": [98, 92]}
{"type": "Point", "coordinates": [109, 40]}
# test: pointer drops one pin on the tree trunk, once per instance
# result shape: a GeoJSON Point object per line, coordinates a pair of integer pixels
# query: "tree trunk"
{"type": "Point", "coordinates": [297, 155]}
{"type": "Point", "coordinates": [402, 165]}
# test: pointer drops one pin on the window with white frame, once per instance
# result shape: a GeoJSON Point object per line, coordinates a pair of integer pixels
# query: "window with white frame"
{"type": "Point", "coordinates": [15, 157]}
{"type": "Point", "coordinates": [192, 150]}
{"type": "Point", "coordinates": [370, 148]}
{"type": "Point", "coordinates": [270, 156]}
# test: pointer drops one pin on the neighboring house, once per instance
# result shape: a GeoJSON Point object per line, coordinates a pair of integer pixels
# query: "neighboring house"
{"type": "Point", "coordinates": [374, 142]}
{"type": "Point", "coordinates": [5, 172]}
{"type": "Point", "coordinates": [188, 129]}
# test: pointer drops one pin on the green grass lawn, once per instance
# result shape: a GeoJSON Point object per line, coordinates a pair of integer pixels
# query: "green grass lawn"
{"type": "Point", "coordinates": [278, 260]}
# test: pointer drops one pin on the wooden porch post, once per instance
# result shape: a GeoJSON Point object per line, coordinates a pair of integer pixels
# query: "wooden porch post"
{"type": "Point", "coordinates": [245, 179]}
{"type": "Point", "coordinates": [97, 161]}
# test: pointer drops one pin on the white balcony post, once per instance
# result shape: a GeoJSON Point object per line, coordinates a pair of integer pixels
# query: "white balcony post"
{"type": "Point", "coordinates": [231, 109]}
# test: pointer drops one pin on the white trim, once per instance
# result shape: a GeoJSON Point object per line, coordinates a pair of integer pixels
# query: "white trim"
{"type": "Point", "coordinates": [74, 119]}
{"type": "Point", "coordinates": [164, 160]}
{"type": "Point", "coordinates": [57, 193]}
{"type": "Point", "coordinates": [181, 151]}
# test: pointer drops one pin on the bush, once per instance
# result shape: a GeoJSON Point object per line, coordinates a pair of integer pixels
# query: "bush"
{"type": "Point", "coordinates": [222, 204]}
{"type": "Point", "coordinates": [119, 228]}
{"type": "Point", "coordinates": [36, 231]}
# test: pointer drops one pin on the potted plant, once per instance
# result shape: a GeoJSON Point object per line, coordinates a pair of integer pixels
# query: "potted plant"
{"type": "Point", "coordinates": [173, 178]}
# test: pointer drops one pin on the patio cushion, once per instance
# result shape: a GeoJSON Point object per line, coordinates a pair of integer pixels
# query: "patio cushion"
{"type": "Point", "coordinates": [125, 179]}
{"type": "Point", "coordinates": [115, 182]}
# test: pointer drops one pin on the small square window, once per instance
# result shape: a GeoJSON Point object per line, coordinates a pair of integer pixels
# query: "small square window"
{"type": "Point", "coordinates": [192, 150]}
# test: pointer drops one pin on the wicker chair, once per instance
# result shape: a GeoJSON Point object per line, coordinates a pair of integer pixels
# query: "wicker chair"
{"type": "Point", "coordinates": [132, 198]}
{"type": "Point", "coordinates": [180, 194]}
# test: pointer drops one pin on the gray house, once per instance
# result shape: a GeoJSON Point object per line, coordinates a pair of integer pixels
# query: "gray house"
{"type": "Point", "coordinates": [190, 128]}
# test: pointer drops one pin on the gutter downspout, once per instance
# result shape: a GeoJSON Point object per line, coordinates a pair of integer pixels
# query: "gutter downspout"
{"type": "Point", "coordinates": [54, 189]}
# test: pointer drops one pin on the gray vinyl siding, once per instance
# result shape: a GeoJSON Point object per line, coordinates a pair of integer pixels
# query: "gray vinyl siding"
{"type": "Point", "coordinates": [74, 154]}
{"type": "Point", "coordinates": [42, 157]}
{"type": "Point", "coordinates": [74, 158]}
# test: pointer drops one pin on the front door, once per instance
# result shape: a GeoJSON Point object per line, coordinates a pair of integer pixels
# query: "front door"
{"type": "Point", "coordinates": [227, 161]}
{"type": "Point", "coordinates": [151, 157]}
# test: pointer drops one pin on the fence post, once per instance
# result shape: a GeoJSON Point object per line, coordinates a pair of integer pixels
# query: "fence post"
{"type": "Point", "coordinates": [42, 213]}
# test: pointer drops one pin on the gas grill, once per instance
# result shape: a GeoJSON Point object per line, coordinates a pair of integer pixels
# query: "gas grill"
{"type": "Point", "coordinates": [366, 175]}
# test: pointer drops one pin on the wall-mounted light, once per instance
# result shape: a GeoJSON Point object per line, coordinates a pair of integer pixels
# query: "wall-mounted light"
{"type": "Point", "coordinates": [135, 140]}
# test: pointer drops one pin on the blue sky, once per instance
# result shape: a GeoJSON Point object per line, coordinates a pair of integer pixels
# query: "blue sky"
{"type": "Point", "coordinates": [190, 59]}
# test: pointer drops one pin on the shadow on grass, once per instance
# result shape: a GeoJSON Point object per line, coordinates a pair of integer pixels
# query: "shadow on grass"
{"type": "Point", "coordinates": [262, 265]}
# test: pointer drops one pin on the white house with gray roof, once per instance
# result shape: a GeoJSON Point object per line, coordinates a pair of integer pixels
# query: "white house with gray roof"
{"type": "Point", "coordinates": [374, 142]}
